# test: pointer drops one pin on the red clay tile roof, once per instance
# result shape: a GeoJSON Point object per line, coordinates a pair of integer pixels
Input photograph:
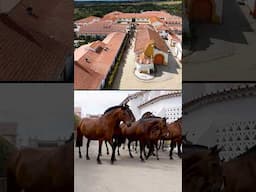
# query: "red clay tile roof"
{"type": "Point", "coordinates": [54, 18]}
{"type": "Point", "coordinates": [147, 34]}
{"type": "Point", "coordinates": [101, 27]}
{"type": "Point", "coordinates": [154, 19]}
{"type": "Point", "coordinates": [97, 64]}
{"type": "Point", "coordinates": [86, 78]}
{"type": "Point", "coordinates": [28, 55]}
{"type": "Point", "coordinates": [87, 20]}
{"type": "Point", "coordinates": [147, 14]}
{"type": "Point", "coordinates": [34, 46]}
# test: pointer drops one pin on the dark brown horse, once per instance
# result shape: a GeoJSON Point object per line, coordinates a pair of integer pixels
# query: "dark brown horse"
{"type": "Point", "coordinates": [240, 172]}
{"type": "Point", "coordinates": [201, 169]}
{"type": "Point", "coordinates": [42, 170]}
{"type": "Point", "coordinates": [145, 131]}
{"type": "Point", "coordinates": [102, 128]}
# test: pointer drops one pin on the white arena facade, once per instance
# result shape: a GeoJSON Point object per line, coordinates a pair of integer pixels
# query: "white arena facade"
{"type": "Point", "coordinates": [222, 114]}
{"type": "Point", "coordinates": [161, 103]}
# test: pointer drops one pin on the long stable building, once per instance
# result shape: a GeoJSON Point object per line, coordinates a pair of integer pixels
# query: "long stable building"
{"type": "Point", "coordinates": [94, 61]}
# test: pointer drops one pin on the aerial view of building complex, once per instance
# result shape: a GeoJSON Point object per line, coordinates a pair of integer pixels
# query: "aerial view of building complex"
{"type": "Point", "coordinates": [122, 50]}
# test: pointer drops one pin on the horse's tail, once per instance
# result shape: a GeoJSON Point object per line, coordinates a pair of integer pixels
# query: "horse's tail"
{"type": "Point", "coordinates": [79, 136]}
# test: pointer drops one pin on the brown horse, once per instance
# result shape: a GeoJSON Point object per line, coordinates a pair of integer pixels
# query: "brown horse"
{"type": "Point", "coordinates": [145, 131]}
{"type": "Point", "coordinates": [175, 135]}
{"type": "Point", "coordinates": [102, 128]}
{"type": "Point", "coordinates": [201, 169]}
{"type": "Point", "coordinates": [240, 172]}
{"type": "Point", "coordinates": [41, 170]}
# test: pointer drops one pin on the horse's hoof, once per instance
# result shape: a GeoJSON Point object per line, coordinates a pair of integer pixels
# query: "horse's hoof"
{"type": "Point", "coordinates": [80, 157]}
{"type": "Point", "coordinates": [142, 160]}
{"type": "Point", "coordinates": [99, 161]}
{"type": "Point", "coordinates": [131, 156]}
{"type": "Point", "coordinates": [87, 158]}
{"type": "Point", "coordinates": [157, 158]}
{"type": "Point", "coordinates": [171, 158]}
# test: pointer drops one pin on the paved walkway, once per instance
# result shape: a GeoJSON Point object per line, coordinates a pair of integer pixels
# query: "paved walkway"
{"type": "Point", "coordinates": [126, 175]}
{"type": "Point", "coordinates": [225, 51]}
{"type": "Point", "coordinates": [167, 77]}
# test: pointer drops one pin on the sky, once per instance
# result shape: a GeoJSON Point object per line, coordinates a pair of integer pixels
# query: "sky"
{"type": "Point", "coordinates": [96, 102]}
{"type": "Point", "coordinates": [40, 110]}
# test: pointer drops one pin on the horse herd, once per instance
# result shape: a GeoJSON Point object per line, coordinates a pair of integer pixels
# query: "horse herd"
{"type": "Point", "coordinates": [118, 124]}
{"type": "Point", "coordinates": [52, 170]}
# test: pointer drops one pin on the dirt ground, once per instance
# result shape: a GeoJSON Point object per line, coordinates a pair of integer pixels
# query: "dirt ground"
{"type": "Point", "coordinates": [126, 175]}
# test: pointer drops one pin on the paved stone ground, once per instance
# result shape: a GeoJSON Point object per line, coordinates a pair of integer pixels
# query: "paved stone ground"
{"type": "Point", "coordinates": [126, 175]}
{"type": "Point", "coordinates": [167, 77]}
{"type": "Point", "coordinates": [225, 51]}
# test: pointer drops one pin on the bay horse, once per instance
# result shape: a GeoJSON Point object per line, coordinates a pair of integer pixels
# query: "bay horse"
{"type": "Point", "coordinates": [240, 173]}
{"type": "Point", "coordinates": [175, 135]}
{"type": "Point", "coordinates": [102, 128]}
{"type": "Point", "coordinates": [41, 170]}
{"type": "Point", "coordinates": [202, 170]}
{"type": "Point", "coordinates": [145, 131]}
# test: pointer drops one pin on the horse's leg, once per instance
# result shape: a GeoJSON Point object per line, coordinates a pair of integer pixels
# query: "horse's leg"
{"type": "Point", "coordinates": [145, 155]}
{"type": "Point", "coordinates": [87, 149]}
{"type": "Point", "coordinates": [124, 145]}
{"type": "Point", "coordinates": [172, 146]}
{"type": "Point", "coordinates": [142, 148]}
{"type": "Point", "coordinates": [99, 152]}
{"type": "Point", "coordinates": [113, 157]}
{"type": "Point", "coordinates": [156, 150]}
{"type": "Point", "coordinates": [136, 145]}
{"type": "Point", "coordinates": [129, 148]}
{"type": "Point", "coordinates": [118, 152]}
{"type": "Point", "coordinates": [179, 150]}
{"type": "Point", "coordinates": [79, 151]}
{"type": "Point", "coordinates": [107, 147]}
{"type": "Point", "coordinates": [163, 145]}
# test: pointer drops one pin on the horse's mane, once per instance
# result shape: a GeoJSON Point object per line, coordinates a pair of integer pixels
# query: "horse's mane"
{"type": "Point", "coordinates": [151, 115]}
{"type": "Point", "coordinates": [249, 151]}
{"type": "Point", "coordinates": [150, 119]}
{"type": "Point", "coordinates": [112, 108]}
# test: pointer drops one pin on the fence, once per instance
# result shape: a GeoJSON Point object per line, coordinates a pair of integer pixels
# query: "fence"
{"type": "Point", "coordinates": [3, 184]}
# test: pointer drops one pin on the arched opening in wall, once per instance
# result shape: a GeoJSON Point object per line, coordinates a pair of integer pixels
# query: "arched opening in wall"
{"type": "Point", "coordinates": [159, 59]}
{"type": "Point", "coordinates": [201, 11]}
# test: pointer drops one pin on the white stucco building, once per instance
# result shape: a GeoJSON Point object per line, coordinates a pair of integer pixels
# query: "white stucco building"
{"type": "Point", "coordinates": [222, 114]}
{"type": "Point", "coordinates": [161, 103]}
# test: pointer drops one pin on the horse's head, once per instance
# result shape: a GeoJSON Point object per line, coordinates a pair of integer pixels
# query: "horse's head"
{"type": "Point", "coordinates": [147, 115]}
{"type": "Point", "coordinates": [203, 171]}
{"type": "Point", "coordinates": [126, 115]}
{"type": "Point", "coordinates": [164, 128]}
